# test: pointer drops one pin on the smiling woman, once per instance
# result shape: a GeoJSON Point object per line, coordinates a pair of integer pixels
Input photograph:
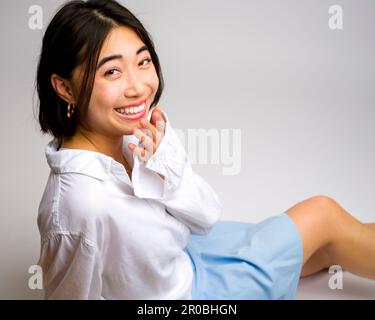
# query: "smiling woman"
{"type": "Point", "coordinates": [126, 57]}
{"type": "Point", "coordinates": [98, 81]}
{"type": "Point", "coordinates": [123, 214]}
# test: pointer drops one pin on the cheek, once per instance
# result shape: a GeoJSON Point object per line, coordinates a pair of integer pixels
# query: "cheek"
{"type": "Point", "coordinates": [153, 81]}
{"type": "Point", "coordinates": [105, 93]}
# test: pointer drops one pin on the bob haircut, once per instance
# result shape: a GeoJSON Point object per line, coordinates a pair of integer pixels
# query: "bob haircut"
{"type": "Point", "coordinates": [75, 37]}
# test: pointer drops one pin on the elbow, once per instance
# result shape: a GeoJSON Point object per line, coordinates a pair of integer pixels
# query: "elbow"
{"type": "Point", "coordinates": [211, 218]}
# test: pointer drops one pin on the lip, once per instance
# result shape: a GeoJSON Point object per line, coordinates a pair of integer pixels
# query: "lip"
{"type": "Point", "coordinates": [133, 105]}
{"type": "Point", "coordinates": [135, 116]}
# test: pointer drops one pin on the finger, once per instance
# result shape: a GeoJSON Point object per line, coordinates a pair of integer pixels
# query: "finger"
{"type": "Point", "coordinates": [145, 140]}
{"type": "Point", "coordinates": [159, 122]}
{"type": "Point", "coordinates": [158, 109]}
{"type": "Point", "coordinates": [156, 115]}
{"type": "Point", "coordinates": [160, 125]}
{"type": "Point", "coordinates": [131, 146]}
{"type": "Point", "coordinates": [149, 128]}
{"type": "Point", "coordinates": [141, 153]}
{"type": "Point", "coordinates": [139, 133]}
{"type": "Point", "coordinates": [160, 131]}
{"type": "Point", "coordinates": [149, 144]}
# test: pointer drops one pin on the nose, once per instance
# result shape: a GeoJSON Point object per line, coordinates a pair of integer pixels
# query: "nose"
{"type": "Point", "coordinates": [133, 85]}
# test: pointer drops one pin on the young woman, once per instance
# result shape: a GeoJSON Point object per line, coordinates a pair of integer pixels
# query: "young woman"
{"type": "Point", "coordinates": [124, 216]}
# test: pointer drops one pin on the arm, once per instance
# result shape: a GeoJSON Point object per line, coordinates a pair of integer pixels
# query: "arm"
{"type": "Point", "coordinates": [70, 267]}
{"type": "Point", "coordinates": [186, 196]}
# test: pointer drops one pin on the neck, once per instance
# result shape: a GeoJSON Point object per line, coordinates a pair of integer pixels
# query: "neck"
{"type": "Point", "coordinates": [110, 146]}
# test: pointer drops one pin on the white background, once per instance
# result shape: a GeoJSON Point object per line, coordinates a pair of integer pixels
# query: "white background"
{"type": "Point", "coordinates": [302, 94]}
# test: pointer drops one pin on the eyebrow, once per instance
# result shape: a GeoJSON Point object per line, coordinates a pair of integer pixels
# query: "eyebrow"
{"type": "Point", "coordinates": [118, 56]}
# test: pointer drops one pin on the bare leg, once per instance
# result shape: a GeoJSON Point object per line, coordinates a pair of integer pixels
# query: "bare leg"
{"type": "Point", "coordinates": [330, 235]}
{"type": "Point", "coordinates": [320, 259]}
{"type": "Point", "coordinates": [317, 262]}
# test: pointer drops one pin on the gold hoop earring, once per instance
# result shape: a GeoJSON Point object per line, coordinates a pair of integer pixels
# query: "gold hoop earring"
{"type": "Point", "coordinates": [70, 110]}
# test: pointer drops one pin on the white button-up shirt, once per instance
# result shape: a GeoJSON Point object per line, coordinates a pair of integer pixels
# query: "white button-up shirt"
{"type": "Point", "coordinates": [105, 236]}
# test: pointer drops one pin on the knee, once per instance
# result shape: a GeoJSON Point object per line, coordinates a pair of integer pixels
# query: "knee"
{"type": "Point", "coordinates": [323, 201]}
{"type": "Point", "coordinates": [328, 206]}
{"type": "Point", "coordinates": [320, 208]}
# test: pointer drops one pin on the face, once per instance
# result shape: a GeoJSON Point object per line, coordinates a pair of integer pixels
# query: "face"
{"type": "Point", "coordinates": [125, 77]}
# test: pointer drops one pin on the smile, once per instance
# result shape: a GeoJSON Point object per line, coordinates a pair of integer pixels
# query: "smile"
{"type": "Point", "coordinates": [132, 113]}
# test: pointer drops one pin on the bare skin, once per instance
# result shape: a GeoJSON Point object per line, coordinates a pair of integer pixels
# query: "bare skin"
{"type": "Point", "coordinates": [330, 235]}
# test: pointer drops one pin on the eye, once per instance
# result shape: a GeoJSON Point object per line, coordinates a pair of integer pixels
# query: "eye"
{"type": "Point", "coordinates": [147, 59]}
{"type": "Point", "coordinates": [111, 72]}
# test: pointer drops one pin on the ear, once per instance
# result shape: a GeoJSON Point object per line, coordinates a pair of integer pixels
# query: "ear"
{"type": "Point", "coordinates": [63, 88]}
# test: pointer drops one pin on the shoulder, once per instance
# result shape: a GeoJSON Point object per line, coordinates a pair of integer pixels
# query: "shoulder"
{"type": "Point", "coordinates": [74, 203]}
{"type": "Point", "coordinates": [81, 194]}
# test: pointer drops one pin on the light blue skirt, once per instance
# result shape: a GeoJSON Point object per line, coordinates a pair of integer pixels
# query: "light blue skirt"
{"type": "Point", "coordinates": [251, 261]}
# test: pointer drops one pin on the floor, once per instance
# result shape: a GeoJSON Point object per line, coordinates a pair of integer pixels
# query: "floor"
{"type": "Point", "coordinates": [318, 285]}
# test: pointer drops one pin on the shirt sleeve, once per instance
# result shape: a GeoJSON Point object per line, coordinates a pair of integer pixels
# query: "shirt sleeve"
{"type": "Point", "coordinates": [185, 194]}
{"type": "Point", "coordinates": [70, 266]}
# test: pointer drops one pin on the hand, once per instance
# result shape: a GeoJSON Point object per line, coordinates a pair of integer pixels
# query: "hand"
{"type": "Point", "coordinates": [150, 135]}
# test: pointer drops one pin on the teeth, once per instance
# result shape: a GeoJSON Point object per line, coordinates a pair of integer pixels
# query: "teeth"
{"type": "Point", "coordinates": [131, 110]}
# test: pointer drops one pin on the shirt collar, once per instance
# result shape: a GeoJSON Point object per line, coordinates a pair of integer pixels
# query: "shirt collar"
{"type": "Point", "coordinates": [91, 163]}
{"type": "Point", "coordinates": [86, 162]}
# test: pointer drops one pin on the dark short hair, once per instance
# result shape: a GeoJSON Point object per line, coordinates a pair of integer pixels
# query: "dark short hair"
{"type": "Point", "coordinates": [75, 36]}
